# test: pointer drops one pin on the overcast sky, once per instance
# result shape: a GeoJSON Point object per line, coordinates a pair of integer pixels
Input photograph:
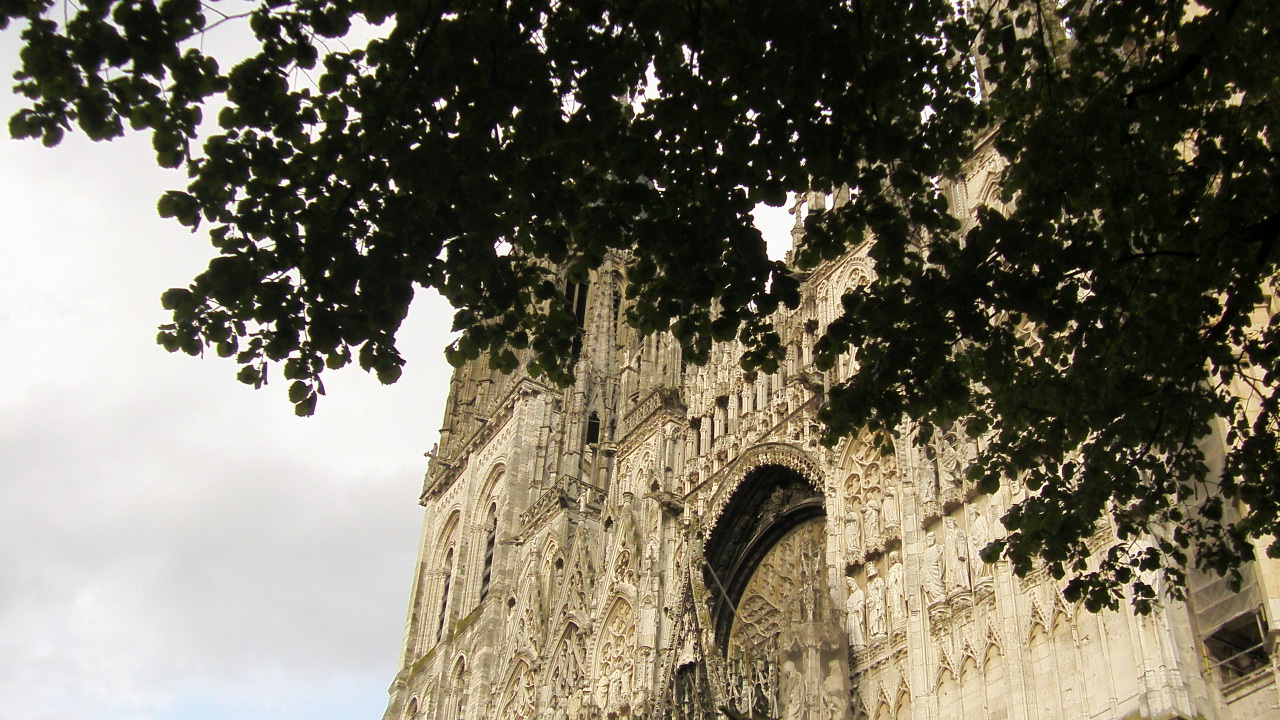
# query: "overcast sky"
{"type": "Point", "coordinates": [175, 545]}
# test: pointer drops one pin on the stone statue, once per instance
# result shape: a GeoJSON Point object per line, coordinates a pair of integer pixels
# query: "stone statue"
{"type": "Point", "coordinates": [746, 699]}
{"type": "Point", "coordinates": [926, 481]}
{"type": "Point", "coordinates": [956, 570]}
{"type": "Point", "coordinates": [855, 608]}
{"type": "Point", "coordinates": [978, 539]}
{"type": "Point", "coordinates": [931, 569]}
{"type": "Point", "coordinates": [950, 462]}
{"type": "Point", "coordinates": [602, 692]}
{"type": "Point", "coordinates": [853, 533]}
{"type": "Point", "coordinates": [620, 689]}
{"type": "Point", "coordinates": [889, 510]}
{"type": "Point", "coordinates": [875, 604]}
{"type": "Point", "coordinates": [808, 583]}
{"type": "Point", "coordinates": [895, 594]}
{"type": "Point", "coordinates": [628, 532]}
{"type": "Point", "coordinates": [871, 522]}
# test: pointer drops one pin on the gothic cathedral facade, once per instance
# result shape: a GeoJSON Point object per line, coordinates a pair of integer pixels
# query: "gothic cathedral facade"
{"type": "Point", "coordinates": [669, 541]}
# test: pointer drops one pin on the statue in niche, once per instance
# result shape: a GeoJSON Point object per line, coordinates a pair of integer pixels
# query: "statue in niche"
{"type": "Point", "coordinates": [746, 694]}
{"type": "Point", "coordinates": [620, 691]}
{"type": "Point", "coordinates": [978, 539]}
{"type": "Point", "coordinates": [889, 511]}
{"type": "Point", "coordinates": [950, 463]}
{"type": "Point", "coordinates": [855, 608]}
{"type": "Point", "coordinates": [873, 475]}
{"type": "Point", "coordinates": [602, 693]}
{"type": "Point", "coordinates": [926, 482]}
{"type": "Point", "coordinates": [871, 522]}
{"type": "Point", "coordinates": [957, 557]}
{"type": "Point", "coordinates": [875, 604]}
{"type": "Point", "coordinates": [628, 528]}
{"type": "Point", "coordinates": [853, 530]}
{"type": "Point", "coordinates": [931, 569]}
{"type": "Point", "coordinates": [895, 589]}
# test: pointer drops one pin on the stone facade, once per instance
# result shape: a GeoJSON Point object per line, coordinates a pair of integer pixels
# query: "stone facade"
{"type": "Point", "coordinates": [668, 541]}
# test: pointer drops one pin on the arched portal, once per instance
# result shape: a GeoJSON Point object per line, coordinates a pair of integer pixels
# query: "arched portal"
{"type": "Point", "coordinates": [785, 652]}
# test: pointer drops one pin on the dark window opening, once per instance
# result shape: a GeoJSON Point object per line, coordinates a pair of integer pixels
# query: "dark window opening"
{"type": "Point", "coordinates": [489, 542]}
{"type": "Point", "coordinates": [444, 594]}
{"type": "Point", "coordinates": [1238, 649]}
{"type": "Point", "coordinates": [593, 428]}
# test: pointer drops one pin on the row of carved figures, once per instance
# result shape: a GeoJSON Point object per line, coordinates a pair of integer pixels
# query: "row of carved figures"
{"type": "Point", "coordinates": [876, 492]}
{"type": "Point", "coordinates": [950, 565]}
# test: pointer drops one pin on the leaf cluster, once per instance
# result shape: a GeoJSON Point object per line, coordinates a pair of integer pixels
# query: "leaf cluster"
{"type": "Point", "coordinates": [1103, 327]}
{"type": "Point", "coordinates": [1096, 323]}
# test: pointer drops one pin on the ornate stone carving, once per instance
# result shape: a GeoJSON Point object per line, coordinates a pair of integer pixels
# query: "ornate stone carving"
{"type": "Point", "coordinates": [591, 615]}
{"type": "Point", "coordinates": [871, 527]}
{"type": "Point", "coordinates": [926, 482]}
{"type": "Point", "coordinates": [889, 515]}
{"type": "Point", "coordinates": [877, 628]}
{"type": "Point", "coordinates": [780, 454]}
{"type": "Point", "coordinates": [786, 636]}
{"type": "Point", "coordinates": [956, 569]}
{"type": "Point", "coordinates": [979, 536]}
{"type": "Point", "coordinates": [519, 700]}
{"type": "Point", "coordinates": [566, 668]}
{"type": "Point", "coordinates": [853, 533]}
{"type": "Point", "coordinates": [895, 596]}
{"type": "Point", "coordinates": [931, 569]}
{"type": "Point", "coordinates": [616, 664]}
{"type": "Point", "coordinates": [855, 609]}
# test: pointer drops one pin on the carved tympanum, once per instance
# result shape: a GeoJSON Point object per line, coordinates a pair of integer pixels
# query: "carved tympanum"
{"type": "Point", "coordinates": [787, 648]}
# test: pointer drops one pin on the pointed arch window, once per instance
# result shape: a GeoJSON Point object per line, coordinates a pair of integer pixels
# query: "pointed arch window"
{"type": "Point", "coordinates": [491, 536]}
{"type": "Point", "coordinates": [444, 593]}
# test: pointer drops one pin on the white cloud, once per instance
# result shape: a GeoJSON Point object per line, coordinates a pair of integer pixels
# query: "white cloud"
{"type": "Point", "coordinates": [174, 544]}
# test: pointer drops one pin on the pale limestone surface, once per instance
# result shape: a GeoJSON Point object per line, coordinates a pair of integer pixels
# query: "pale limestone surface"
{"type": "Point", "coordinates": [857, 588]}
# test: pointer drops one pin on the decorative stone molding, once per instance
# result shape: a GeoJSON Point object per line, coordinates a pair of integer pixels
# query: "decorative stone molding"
{"type": "Point", "coordinates": [728, 479]}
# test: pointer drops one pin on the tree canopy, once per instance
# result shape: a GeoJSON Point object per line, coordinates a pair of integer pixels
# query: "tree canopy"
{"type": "Point", "coordinates": [1092, 328]}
